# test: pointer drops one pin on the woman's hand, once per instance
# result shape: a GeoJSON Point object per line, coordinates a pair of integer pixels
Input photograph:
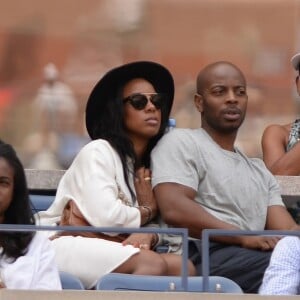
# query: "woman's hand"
{"type": "Point", "coordinates": [145, 197]}
{"type": "Point", "coordinates": [141, 240]}
{"type": "Point", "coordinates": [143, 187]}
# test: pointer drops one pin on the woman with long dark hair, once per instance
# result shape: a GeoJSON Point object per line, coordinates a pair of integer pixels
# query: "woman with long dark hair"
{"type": "Point", "coordinates": [27, 258]}
{"type": "Point", "coordinates": [110, 181]}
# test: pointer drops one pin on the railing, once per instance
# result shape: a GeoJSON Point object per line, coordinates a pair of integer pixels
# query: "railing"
{"type": "Point", "coordinates": [46, 182]}
{"type": "Point", "coordinates": [175, 231]}
{"type": "Point", "coordinates": [207, 233]}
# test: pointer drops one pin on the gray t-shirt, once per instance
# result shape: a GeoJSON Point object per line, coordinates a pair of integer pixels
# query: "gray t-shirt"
{"type": "Point", "coordinates": [232, 187]}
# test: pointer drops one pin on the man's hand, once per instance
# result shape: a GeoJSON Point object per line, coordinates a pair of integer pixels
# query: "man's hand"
{"type": "Point", "coordinates": [264, 243]}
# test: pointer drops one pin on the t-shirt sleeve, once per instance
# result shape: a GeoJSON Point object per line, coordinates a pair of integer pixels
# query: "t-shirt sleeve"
{"type": "Point", "coordinates": [275, 193]}
{"type": "Point", "coordinates": [173, 160]}
{"type": "Point", "coordinates": [274, 190]}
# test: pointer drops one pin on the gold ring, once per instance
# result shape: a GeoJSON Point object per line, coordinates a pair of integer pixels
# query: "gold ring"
{"type": "Point", "coordinates": [143, 246]}
{"type": "Point", "coordinates": [147, 178]}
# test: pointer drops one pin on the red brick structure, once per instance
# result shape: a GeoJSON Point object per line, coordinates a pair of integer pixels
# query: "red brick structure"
{"type": "Point", "coordinates": [85, 38]}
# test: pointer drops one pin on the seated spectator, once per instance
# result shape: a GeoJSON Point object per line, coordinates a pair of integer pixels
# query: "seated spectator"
{"type": "Point", "coordinates": [27, 258]}
{"type": "Point", "coordinates": [282, 276]}
{"type": "Point", "coordinates": [55, 103]}
{"type": "Point", "coordinates": [202, 180]}
{"type": "Point", "coordinates": [280, 143]}
{"type": "Point", "coordinates": [109, 182]}
{"type": "Point", "coordinates": [55, 140]}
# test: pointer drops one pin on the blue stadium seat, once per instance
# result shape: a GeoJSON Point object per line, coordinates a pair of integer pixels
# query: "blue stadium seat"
{"type": "Point", "coordinates": [70, 282]}
{"type": "Point", "coordinates": [40, 202]}
{"type": "Point", "coordinates": [116, 281]}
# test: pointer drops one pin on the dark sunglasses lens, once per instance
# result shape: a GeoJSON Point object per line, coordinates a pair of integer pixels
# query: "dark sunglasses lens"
{"type": "Point", "coordinates": [157, 100]}
{"type": "Point", "coordinates": [138, 101]}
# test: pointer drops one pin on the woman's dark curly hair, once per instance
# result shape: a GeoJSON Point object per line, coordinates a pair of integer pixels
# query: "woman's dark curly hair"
{"type": "Point", "coordinates": [15, 244]}
{"type": "Point", "coordinates": [110, 126]}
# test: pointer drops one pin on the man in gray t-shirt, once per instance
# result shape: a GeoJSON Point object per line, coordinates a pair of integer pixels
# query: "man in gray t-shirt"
{"type": "Point", "coordinates": [201, 180]}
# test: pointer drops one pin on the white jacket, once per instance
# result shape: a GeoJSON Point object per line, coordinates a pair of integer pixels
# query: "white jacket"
{"type": "Point", "coordinates": [35, 270]}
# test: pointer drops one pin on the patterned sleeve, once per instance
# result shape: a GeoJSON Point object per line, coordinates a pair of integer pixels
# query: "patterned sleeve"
{"type": "Point", "coordinates": [282, 276]}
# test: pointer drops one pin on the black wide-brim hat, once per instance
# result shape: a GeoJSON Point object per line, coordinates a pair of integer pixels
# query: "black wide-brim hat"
{"type": "Point", "coordinates": [108, 87]}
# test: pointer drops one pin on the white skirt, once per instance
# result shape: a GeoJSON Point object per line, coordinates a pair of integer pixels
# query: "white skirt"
{"type": "Point", "coordinates": [90, 258]}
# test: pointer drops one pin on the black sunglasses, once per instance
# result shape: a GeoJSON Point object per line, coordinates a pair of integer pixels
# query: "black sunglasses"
{"type": "Point", "coordinates": [139, 101]}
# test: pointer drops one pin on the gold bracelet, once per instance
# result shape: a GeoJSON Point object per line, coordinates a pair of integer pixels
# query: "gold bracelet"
{"type": "Point", "coordinates": [149, 212]}
{"type": "Point", "coordinates": [155, 241]}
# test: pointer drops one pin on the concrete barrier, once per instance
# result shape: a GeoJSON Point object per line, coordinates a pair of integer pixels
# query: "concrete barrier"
{"type": "Point", "coordinates": [124, 295]}
{"type": "Point", "coordinates": [48, 180]}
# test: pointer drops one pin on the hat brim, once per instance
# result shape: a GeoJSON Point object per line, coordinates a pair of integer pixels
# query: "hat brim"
{"type": "Point", "coordinates": [109, 84]}
{"type": "Point", "coordinates": [295, 60]}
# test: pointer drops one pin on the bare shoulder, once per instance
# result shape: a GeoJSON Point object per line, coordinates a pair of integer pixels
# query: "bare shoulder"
{"type": "Point", "coordinates": [277, 131]}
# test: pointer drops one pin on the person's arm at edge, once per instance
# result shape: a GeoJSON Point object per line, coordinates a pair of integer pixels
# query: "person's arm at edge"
{"type": "Point", "coordinates": [282, 275]}
{"type": "Point", "coordinates": [277, 160]}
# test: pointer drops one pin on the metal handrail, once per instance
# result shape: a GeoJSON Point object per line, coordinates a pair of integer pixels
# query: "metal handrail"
{"type": "Point", "coordinates": [207, 233]}
{"type": "Point", "coordinates": [175, 231]}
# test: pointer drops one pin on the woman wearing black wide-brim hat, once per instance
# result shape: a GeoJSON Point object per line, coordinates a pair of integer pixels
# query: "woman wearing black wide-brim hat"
{"type": "Point", "coordinates": [109, 181]}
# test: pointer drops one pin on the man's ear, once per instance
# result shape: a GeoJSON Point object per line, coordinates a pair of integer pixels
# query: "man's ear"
{"type": "Point", "coordinates": [198, 100]}
{"type": "Point", "coordinates": [298, 85]}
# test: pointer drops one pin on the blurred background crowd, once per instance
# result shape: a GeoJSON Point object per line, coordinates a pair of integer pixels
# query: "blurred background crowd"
{"type": "Point", "coordinates": [53, 52]}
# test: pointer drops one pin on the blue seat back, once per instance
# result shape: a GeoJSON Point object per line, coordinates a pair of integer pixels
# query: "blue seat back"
{"type": "Point", "coordinates": [70, 282]}
{"type": "Point", "coordinates": [116, 281]}
{"type": "Point", "coordinates": [40, 202]}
